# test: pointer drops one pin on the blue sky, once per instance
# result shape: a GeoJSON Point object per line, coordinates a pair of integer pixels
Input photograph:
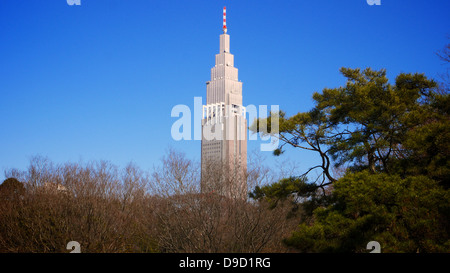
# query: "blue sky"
{"type": "Point", "coordinates": [98, 81]}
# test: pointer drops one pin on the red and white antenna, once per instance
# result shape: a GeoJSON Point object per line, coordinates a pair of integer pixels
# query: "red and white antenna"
{"type": "Point", "coordinates": [224, 19]}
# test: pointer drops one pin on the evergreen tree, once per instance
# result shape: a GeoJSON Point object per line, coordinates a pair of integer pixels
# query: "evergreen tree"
{"type": "Point", "coordinates": [393, 140]}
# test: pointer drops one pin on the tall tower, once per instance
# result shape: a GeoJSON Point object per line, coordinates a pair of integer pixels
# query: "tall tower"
{"type": "Point", "coordinates": [224, 128]}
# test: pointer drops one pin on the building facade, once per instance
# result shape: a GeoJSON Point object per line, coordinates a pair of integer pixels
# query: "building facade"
{"type": "Point", "coordinates": [224, 128]}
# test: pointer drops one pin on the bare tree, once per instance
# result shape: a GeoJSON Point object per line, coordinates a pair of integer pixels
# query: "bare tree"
{"type": "Point", "coordinates": [90, 204]}
{"type": "Point", "coordinates": [220, 221]}
{"type": "Point", "coordinates": [176, 175]}
{"type": "Point", "coordinates": [108, 209]}
{"type": "Point", "coordinates": [444, 56]}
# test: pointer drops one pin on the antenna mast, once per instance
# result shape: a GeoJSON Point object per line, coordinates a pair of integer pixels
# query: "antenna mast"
{"type": "Point", "coordinates": [224, 19]}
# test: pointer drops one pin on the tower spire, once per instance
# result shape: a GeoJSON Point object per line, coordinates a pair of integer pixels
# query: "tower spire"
{"type": "Point", "coordinates": [224, 20]}
{"type": "Point", "coordinates": [224, 128]}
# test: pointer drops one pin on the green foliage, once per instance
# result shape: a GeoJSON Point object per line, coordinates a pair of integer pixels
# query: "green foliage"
{"type": "Point", "coordinates": [282, 189]}
{"type": "Point", "coordinates": [373, 117]}
{"type": "Point", "coordinates": [295, 190]}
{"type": "Point", "coordinates": [428, 140]}
{"type": "Point", "coordinates": [394, 141]}
{"type": "Point", "coordinates": [372, 124]}
{"type": "Point", "coordinates": [403, 215]}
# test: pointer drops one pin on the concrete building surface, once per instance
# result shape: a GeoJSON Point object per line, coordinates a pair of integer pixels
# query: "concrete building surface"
{"type": "Point", "coordinates": [224, 128]}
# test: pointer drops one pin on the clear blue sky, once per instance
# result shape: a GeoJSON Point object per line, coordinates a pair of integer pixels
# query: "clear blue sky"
{"type": "Point", "coordinates": [98, 81]}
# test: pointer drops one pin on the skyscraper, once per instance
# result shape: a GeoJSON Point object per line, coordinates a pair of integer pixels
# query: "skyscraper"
{"type": "Point", "coordinates": [224, 128]}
